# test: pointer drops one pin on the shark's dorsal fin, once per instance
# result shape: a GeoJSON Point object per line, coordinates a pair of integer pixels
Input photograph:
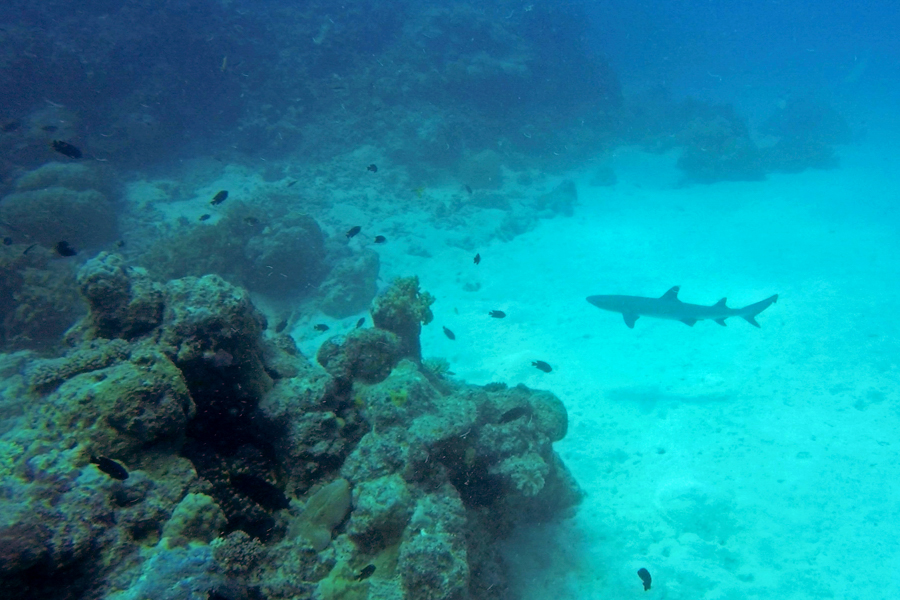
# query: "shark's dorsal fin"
{"type": "Point", "coordinates": [720, 303]}
{"type": "Point", "coordinates": [672, 294]}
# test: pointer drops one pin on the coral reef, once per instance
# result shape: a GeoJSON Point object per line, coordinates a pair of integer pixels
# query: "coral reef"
{"type": "Point", "coordinates": [39, 300]}
{"type": "Point", "coordinates": [402, 310]}
{"type": "Point", "coordinates": [265, 249]}
{"type": "Point", "coordinates": [122, 304]}
{"type": "Point", "coordinates": [252, 471]}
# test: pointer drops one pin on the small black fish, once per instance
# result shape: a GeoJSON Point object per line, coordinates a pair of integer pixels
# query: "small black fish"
{"type": "Point", "coordinates": [219, 198]}
{"type": "Point", "coordinates": [542, 366]}
{"type": "Point", "coordinates": [497, 314]}
{"type": "Point", "coordinates": [291, 183]}
{"type": "Point", "coordinates": [366, 572]}
{"type": "Point", "coordinates": [353, 231]}
{"type": "Point", "coordinates": [321, 327]}
{"type": "Point", "coordinates": [449, 334]}
{"type": "Point", "coordinates": [380, 239]}
{"type": "Point", "coordinates": [64, 249]}
{"type": "Point", "coordinates": [644, 574]}
{"type": "Point", "coordinates": [203, 217]}
{"type": "Point", "coordinates": [66, 149]}
{"type": "Point", "coordinates": [120, 244]}
{"type": "Point", "coordinates": [7, 241]}
{"type": "Point", "coordinates": [11, 126]}
{"type": "Point", "coordinates": [468, 189]}
{"type": "Point", "coordinates": [260, 491]}
{"type": "Point", "coordinates": [477, 258]}
{"type": "Point", "coordinates": [25, 251]}
{"type": "Point", "coordinates": [110, 467]}
{"type": "Point", "coordinates": [361, 322]}
{"type": "Point", "coordinates": [372, 168]}
{"type": "Point", "coordinates": [514, 413]}
{"type": "Point", "coordinates": [49, 128]}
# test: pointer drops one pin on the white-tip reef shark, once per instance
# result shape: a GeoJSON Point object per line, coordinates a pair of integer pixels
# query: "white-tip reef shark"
{"type": "Point", "coordinates": [668, 306]}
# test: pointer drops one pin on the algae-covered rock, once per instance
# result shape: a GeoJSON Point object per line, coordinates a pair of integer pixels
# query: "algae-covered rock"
{"type": "Point", "coordinates": [131, 404]}
{"type": "Point", "coordinates": [402, 310]}
{"type": "Point", "coordinates": [434, 567]}
{"type": "Point", "coordinates": [364, 354]}
{"type": "Point", "coordinates": [381, 510]}
{"type": "Point", "coordinates": [124, 301]}
{"type": "Point", "coordinates": [197, 518]}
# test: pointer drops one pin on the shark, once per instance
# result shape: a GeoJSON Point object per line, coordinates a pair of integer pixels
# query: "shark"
{"type": "Point", "coordinates": [668, 306]}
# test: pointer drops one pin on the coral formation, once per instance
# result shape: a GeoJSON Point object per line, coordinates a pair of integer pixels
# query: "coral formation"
{"type": "Point", "coordinates": [252, 471]}
{"type": "Point", "coordinates": [264, 248]}
{"type": "Point", "coordinates": [402, 310]}
{"type": "Point", "coordinates": [39, 300]}
{"type": "Point", "coordinates": [60, 202]}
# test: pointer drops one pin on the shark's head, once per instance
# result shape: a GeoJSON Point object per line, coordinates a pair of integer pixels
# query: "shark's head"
{"type": "Point", "coordinates": [613, 303]}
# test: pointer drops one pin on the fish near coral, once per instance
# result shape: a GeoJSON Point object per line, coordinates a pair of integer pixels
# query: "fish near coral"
{"type": "Point", "coordinates": [219, 198]}
{"type": "Point", "coordinates": [110, 467]}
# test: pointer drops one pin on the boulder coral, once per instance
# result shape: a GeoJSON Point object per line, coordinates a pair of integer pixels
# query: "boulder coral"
{"type": "Point", "coordinates": [61, 202]}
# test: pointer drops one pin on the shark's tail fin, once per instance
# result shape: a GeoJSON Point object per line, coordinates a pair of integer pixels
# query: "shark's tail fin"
{"type": "Point", "coordinates": [749, 312]}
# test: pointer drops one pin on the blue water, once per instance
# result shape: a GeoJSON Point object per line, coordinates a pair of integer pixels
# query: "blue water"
{"type": "Point", "coordinates": [733, 149]}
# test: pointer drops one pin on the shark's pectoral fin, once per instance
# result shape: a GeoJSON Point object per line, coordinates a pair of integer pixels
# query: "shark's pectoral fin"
{"type": "Point", "coordinates": [630, 319]}
{"type": "Point", "coordinates": [721, 321]}
{"type": "Point", "coordinates": [672, 294]}
{"type": "Point", "coordinates": [751, 320]}
{"type": "Point", "coordinates": [688, 322]}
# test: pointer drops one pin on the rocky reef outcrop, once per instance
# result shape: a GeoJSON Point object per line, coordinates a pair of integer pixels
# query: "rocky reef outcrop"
{"type": "Point", "coordinates": [247, 470]}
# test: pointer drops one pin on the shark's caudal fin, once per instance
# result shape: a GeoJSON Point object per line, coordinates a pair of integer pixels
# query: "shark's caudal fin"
{"type": "Point", "coordinates": [749, 312]}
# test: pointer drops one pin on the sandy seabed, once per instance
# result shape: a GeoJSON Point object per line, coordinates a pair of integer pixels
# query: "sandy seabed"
{"type": "Point", "coordinates": [732, 462]}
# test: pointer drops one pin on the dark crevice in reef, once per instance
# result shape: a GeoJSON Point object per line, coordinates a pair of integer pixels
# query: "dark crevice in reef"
{"type": "Point", "coordinates": [469, 474]}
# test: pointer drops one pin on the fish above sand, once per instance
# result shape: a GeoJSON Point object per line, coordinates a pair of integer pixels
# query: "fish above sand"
{"type": "Point", "coordinates": [668, 306]}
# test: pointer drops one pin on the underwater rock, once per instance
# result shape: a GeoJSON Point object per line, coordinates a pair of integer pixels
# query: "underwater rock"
{"type": "Point", "coordinates": [39, 300]}
{"type": "Point", "coordinates": [381, 509]}
{"type": "Point", "coordinates": [128, 405]}
{"type": "Point", "coordinates": [559, 201]}
{"type": "Point", "coordinates": [804, 120]}
{"type": "Point", "coordinates": [267, 251]}
{"type": "Point", "coordinates": [85, 218]}
{"type": "Point", "coordinates": [197, 518]}
{"type": "Point", "coordinates": [718, 147]}
{"type": "Point", "coordinates": [74, 176]}
{"type": "Point", "coordinates": [350, 286]}
{"type": "Point", "coordinates": [402, 310]}
{"type": "Point", "coordinates": [124, 301]}
{"type": "Point", "coordinates": [364, 354]}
